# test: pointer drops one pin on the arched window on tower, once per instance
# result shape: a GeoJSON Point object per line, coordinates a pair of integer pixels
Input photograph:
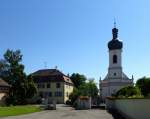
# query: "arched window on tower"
{"type": "Point", "coordinates": [114, 59]}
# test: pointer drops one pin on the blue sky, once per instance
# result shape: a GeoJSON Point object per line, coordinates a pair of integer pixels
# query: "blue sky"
{"type": "Point", "coordinates": [73, 34]}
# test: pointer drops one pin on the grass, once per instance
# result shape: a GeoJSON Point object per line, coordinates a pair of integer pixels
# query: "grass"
{"type": "Point", "coordinates": [18, 110]}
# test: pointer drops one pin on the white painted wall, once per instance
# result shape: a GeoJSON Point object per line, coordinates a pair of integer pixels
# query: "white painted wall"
{"type": "Point", "coordinates": [132, 108]}
{"type": "Point", "coordinates": [2, 95]}
{"type": "Point", "coordinates": [117, 71]}
{"type": "Point", "coordinates": [115, 68]}
{"type": "Point", "coordinates": [105, 92]}
{"type": "Point", "coordinates": [84, 103]}
{"type": "Point", "coordinates": [112, 86]}
{"type": "Point", "coordinates": [1, 98]}
{"type": "Point", "coordinates": [119, 57]}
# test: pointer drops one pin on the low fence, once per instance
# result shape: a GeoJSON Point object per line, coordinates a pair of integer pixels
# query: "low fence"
{"type": "Point", "coordinates": [130, 108]}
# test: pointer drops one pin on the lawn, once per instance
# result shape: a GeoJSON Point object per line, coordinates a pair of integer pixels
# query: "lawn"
{"type": "Point", "coordinates": [18, 110]}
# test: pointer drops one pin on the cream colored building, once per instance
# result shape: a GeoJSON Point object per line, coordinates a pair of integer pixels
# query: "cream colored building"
{"type": "Point", "coordinates": [53, 85]}
{"type": "Point", "coordinates": [4, 89]}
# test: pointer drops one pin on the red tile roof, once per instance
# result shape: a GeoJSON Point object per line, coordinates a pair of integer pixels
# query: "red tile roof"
{"type": "Point", "coordinates": [4, 86]}
{"type": "Point", "coordinates": [3, 83]}
{"type": "Point", "coordinates": [50, 75]}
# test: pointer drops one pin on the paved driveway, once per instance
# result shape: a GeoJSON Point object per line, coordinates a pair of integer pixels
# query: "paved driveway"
{"type": "Point", "coordinates": [65, 112]}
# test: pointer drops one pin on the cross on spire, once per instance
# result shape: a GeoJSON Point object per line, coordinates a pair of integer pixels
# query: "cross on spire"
{"type": "Point", "coordinates": [114, 23]}
{"type": "Point", "coordinates": [115, 31]}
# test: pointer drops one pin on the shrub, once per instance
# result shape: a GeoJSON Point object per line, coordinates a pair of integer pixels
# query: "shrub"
{"type": "Point", "coordinates": [129, 92]}
{"type": "Point", "coordinates": [75, 105]}
{"type": "Point", "coordinates": [68, 102]}
{"type": "Point", "coordinates": [144, 85]}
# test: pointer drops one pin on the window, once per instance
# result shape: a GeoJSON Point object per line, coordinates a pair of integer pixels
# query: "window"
{"type": "Point", "coordinates": [41, 94]}
{"type": "Point", "coordinates": [3, 88]}
{"type": "Point", "coordinates": [43, 85]}
{"type": "Point", "coordinates": [114, 59]}
{"type": "Point", "coordinates": [57, 85]}
{"type": "Point", "coordinates": [58, 94]}
{"type": "Point", "coordinates": [50, 94]}
{"type": "Point", "coordinates": [48, 85]}
{"type": "Point", "coordinates": [38, 85]}
{"type": "Point", "coordinates": [115, 74]}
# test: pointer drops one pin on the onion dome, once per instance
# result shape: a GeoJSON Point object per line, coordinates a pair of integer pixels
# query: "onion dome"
{"type": "Point", "coordinates": [115, 43]}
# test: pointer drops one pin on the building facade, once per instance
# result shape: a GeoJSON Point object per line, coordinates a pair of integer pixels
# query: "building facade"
{"type": "Point", "coordinates": [53, 85]}
{"type": "Point", "coordinates": [115, 78]}
{"type": "Point", "coordinates": [4, 89]}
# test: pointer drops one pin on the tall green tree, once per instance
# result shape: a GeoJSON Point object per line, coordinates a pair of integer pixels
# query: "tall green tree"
{"type": "Point", "coordinates": [88, 89]}
{"type": "Point", "coordinates": [12, 71]}
{"type": "Point", "coordinates": [144, 85]}
{"type": "Point", "coordinates": [78, 79]}
{"type": "Point", "coordinates": [83, 87]}
{"type": "Point", "coordinates": [93, 90]}
{"type": "Point", "coordinates": [31, 89]}
{"type": "Point", "coordinates": [74, 95]}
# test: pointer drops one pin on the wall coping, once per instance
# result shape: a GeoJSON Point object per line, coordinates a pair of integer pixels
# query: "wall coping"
{"type": "Point", "coordinates": [114, 98]}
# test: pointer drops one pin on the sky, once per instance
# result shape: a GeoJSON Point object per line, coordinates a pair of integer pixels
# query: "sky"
{"type": "Point", "coordinates": [73, 34]}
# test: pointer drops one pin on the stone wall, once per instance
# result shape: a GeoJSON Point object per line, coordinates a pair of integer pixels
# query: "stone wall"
{"type": "Point", "coordinates": [84, 103]}
{"type": "Point", "coordinates": [131, 108]}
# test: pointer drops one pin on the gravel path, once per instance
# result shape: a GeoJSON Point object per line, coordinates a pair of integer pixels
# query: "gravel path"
{"type": "Point", "coordinates": [64, 112]}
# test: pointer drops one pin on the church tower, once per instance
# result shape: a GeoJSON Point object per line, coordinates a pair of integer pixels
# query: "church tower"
{"type": "Point", "coordinates": [115, 56]}
{"type": "Point", "coordinates": [115, 78]}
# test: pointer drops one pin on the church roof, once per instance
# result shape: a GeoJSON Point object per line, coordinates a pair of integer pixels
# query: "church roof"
{"type": "Point", "coordinates": [115, 43]}
{"type": "Point", "coordinates": [124, 77]}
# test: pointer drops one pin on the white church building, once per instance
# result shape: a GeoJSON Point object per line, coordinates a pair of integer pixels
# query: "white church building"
{"type": "Point", "coordinates": [115, 78]}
